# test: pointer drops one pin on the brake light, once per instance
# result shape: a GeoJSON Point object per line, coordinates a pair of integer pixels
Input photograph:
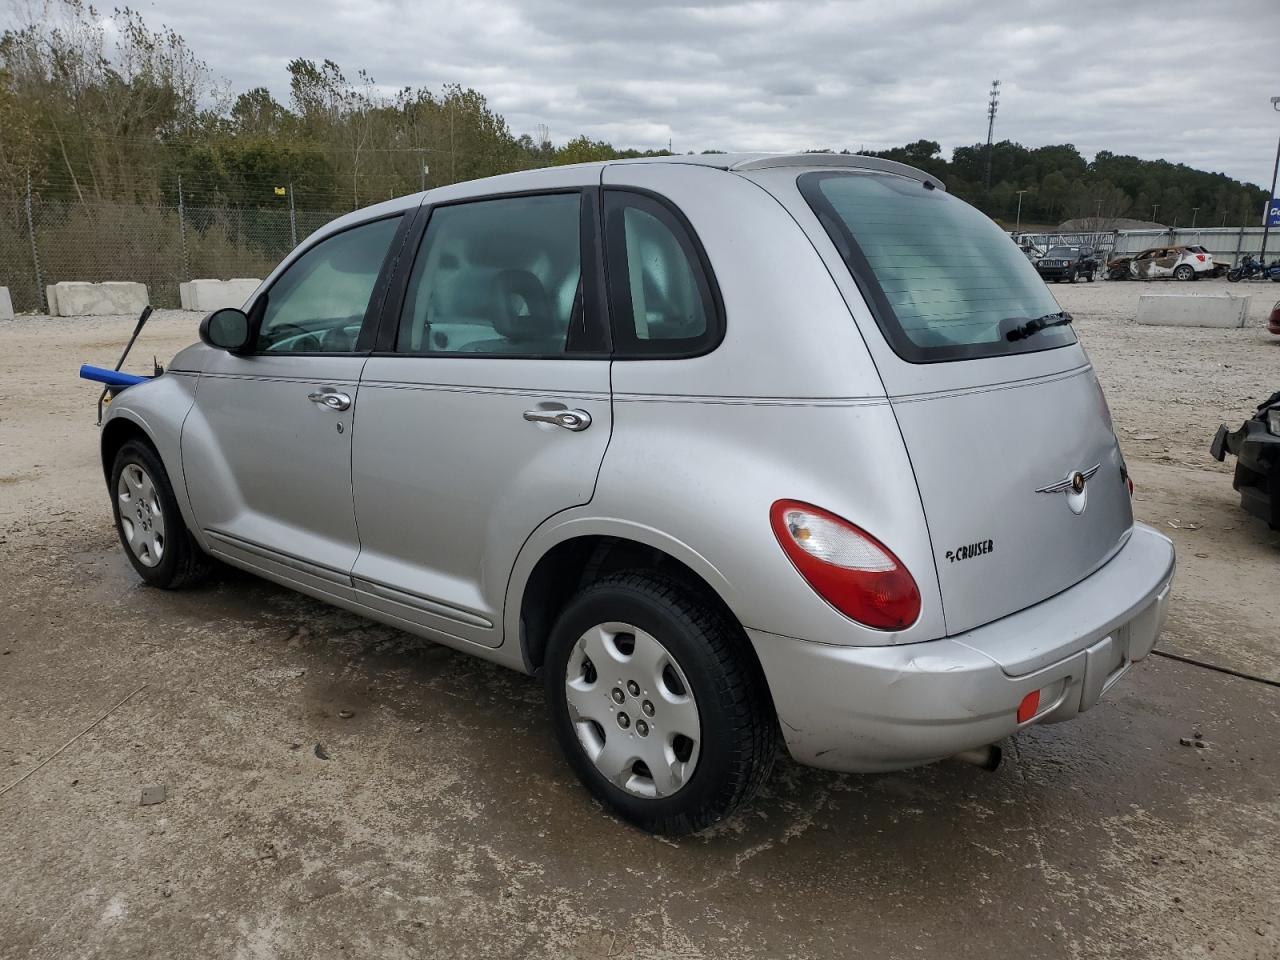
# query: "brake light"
{"type": "Point", "coordinates": [1200, 257]}
{"type": "Point", "coordinates": [846, 566]}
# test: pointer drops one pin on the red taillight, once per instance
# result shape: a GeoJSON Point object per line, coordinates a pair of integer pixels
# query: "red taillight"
{"type": "Point", "coordinates": [1200, 257]}
{"type": "Point", "coordinates": [849, 568]}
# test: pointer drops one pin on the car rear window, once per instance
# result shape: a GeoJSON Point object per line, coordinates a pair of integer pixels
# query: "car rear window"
{"type": "Point", "coordinates": [943, 281]}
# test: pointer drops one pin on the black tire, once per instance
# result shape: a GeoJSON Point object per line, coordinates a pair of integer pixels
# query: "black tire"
{"type": "Point", "coordinates": [1233, 275]}
{"type": "Point", "coordinates": [1184, 272]}
{"type": "Point", "coordinates": [181, 561]}
{"type": "Point", "coordinates": [1071, 278]}
{"type": "Point", "coordinates": [738, 726]}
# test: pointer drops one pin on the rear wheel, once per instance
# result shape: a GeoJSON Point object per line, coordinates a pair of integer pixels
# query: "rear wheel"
{"type": "Point", "coordinates": [150, 525]}
{"type": "Point", "coordinates": [659, 709]}
{"type": "Point", "coordinates": [1184, 271]}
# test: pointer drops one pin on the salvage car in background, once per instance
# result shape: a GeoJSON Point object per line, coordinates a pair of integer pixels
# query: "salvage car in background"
{"type": "Point", "coordinates": [693, 484]}
{"type": "Point", "coordinates": [1067, 263]}
{"type": "Point", "coordinates": [1256, 446]}
{"type": "Point", "coordinates": [1189, 262]}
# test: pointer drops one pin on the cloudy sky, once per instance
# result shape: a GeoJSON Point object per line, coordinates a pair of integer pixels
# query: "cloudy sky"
{"type": "Point", "coordinates": [1186, 81]}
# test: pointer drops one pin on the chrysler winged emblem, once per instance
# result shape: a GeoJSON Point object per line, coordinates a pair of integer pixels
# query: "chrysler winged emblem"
{"type": "Point", "coordinates": [1075, 486]}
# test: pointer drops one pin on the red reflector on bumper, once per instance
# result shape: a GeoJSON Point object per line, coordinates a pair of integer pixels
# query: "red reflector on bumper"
{"type": "Point", "coordinates": [1028, 707]}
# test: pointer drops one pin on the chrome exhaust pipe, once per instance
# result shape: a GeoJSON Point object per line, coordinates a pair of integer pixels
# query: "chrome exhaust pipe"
{"type": "Point", "coordinates": [988, 757]}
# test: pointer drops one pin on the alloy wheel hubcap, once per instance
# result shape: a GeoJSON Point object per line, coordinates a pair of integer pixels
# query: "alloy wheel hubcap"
{"type": "Point", "coordinates": [633, 710]}
{"type": "Point", "coordinates": [141, 518]}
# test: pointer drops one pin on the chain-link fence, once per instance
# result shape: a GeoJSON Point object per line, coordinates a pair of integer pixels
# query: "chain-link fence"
{"type": "Point", "coordinates": [46, 241]}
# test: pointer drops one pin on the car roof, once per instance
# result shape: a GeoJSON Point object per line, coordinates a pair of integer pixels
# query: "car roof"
{"type": "Point", "coordinates": [730, 162]}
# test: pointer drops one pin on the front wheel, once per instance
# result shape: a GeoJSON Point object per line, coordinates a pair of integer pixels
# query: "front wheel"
{"type": "Point", "coordinates": [1234, 275]}
{"type": "Point", "coordinates": [150, 525]}
{"type": "Point", "coordinates": [658, 703]}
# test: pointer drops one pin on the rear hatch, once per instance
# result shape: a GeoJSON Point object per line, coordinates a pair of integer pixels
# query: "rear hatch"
{"type": "Point", "coordinates": [1009, 436]}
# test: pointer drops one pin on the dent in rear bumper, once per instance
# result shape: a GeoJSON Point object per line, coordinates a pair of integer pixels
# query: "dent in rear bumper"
{"type": "Point", "coordinates": [885, 708]}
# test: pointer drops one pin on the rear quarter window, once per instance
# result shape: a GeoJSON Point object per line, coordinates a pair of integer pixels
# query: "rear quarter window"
{"type": "Point", "coordinates": [943, 281]}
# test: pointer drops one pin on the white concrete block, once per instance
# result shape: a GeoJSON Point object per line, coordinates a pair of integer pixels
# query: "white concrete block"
{"type": "Point", "coordinates": [1193, 310]}
{"type": "Point", "coordinates": [74, 298]}
{"type": "Point", "coordinates": [51, 298]}
{"type": "Point", "coordinates": [209, 295]}
{"type": "Point", "coordinates": [6, 304]}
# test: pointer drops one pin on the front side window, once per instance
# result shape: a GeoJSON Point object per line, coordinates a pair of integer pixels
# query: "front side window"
{"type": "Point", "coordinates": [662, 300]}
{"type": "Point", "coordinates": [318, 304]}
{"type": "Point", "coordinates": [499, 277]}
{"type": "Point", "coordinates": [943, 280]}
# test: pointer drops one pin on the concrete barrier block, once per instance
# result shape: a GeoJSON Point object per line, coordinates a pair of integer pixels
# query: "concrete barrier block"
{"type": "Point", "coordinates": [6, 304]}
{"type": "Point", "coordinates": [73, 298]}
{"type": "Point", "coordinates": [209, 295]}
{"type": "Point", "coordinates": [1193, 310]}
{"type": "Point", "coordinates": [51, 298]}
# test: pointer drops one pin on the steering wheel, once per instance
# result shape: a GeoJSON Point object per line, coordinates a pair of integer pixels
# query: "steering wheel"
{"type": "Point", "coordinates": [294, 331]}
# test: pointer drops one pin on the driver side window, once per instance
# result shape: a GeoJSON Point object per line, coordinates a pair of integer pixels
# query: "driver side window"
{"type": "Point", "coordinates": [318, 304]}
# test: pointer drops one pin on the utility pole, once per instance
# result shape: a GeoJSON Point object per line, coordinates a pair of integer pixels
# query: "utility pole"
{"type": "Point", "coordinates": [182, 229]}
{"type": "Point", "coordinates": [293, 218]}
{"type": "Point", "coordinates": [1154, 208]}
{"type": "Point", "coordinates": [1266, 213]}
{"type": "Point", "coordinates": [35, 253]}
{"type": "Point", "coordinates": [1018, 226]}
{"type": "Point", "coordinates": [993, 102]}
{"type": "Point", "coordinates": [1195, 212]}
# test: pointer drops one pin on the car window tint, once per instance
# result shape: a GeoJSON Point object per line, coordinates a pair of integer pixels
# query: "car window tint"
{"type": "Point", "coordinates": [660, 295]}
{"type": "Point", "coordinates": [318, 304]}
{"type": "Point", "coordinates": [945, 282]}
{"type": "Point", "coordinates": [496, 277]}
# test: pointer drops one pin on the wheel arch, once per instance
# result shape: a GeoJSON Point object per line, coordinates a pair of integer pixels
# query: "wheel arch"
{"type": "Point", "coordinates": [553, 567]}
{"type": "Point", "coordinates": [118, 431]}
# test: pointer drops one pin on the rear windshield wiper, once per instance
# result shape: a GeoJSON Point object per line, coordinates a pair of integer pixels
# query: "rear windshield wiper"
{"type": "Point", "coordinates": [1029, 327]}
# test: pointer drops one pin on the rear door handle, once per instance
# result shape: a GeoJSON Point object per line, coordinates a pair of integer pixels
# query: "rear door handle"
{"type": "Point", "coordinates": [575, 420]}
{"type": "Point", "coordinates": [331, 399]}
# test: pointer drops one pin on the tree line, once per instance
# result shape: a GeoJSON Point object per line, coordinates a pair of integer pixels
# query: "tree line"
{"type": "Point", "coordinates": [124, 114]}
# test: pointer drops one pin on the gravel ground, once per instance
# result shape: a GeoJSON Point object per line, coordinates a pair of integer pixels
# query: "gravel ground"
{"type": "Point", "coordinates": [444, 824]}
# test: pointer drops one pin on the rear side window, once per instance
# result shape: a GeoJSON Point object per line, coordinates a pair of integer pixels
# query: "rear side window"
{"type": "Point", "coordinates": [498, 277]}
{"type": "Point", "coordinates": [943, 281]}
{"type": "Point", "coordinates": [660, 292]}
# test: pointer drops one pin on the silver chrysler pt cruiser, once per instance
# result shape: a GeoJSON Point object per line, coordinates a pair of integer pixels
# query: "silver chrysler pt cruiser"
{"type": "Point", "coordinates": [718, 447]}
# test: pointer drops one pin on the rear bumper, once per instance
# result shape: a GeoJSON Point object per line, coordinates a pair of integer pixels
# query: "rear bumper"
{"type": "Point", "coordinates": [885, 708]}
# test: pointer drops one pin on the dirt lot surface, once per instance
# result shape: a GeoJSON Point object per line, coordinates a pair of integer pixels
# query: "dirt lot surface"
{"type": "Point", "coordinates": [444, 824]}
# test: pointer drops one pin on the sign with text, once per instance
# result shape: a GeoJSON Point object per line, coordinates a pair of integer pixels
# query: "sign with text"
{"type": "Point", "coordinates": [1271, 215]}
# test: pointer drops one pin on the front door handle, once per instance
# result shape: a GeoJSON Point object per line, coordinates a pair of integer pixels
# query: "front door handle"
{"type": "Point", "coordinates": [575, 420]}
{"type": "Point", "coordinates": [331, 399]}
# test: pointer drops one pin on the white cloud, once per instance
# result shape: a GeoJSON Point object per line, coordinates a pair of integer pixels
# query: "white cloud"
{"type": "Point", "coordinates": [1172, 80]}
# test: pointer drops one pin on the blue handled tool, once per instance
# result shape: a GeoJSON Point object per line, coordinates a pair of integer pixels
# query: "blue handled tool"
{"type": "Point", "coordinates": [112, 378]}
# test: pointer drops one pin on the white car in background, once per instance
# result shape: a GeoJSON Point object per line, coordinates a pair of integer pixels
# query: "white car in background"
{"type": "Point", "coordinates": [1180, 262]}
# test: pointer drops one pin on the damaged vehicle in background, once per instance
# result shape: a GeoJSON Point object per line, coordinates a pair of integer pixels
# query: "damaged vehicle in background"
{"type": "Point", "coordinates": [1189, 262]}
{"type": "Point", "coordinates": [1256, 447]}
